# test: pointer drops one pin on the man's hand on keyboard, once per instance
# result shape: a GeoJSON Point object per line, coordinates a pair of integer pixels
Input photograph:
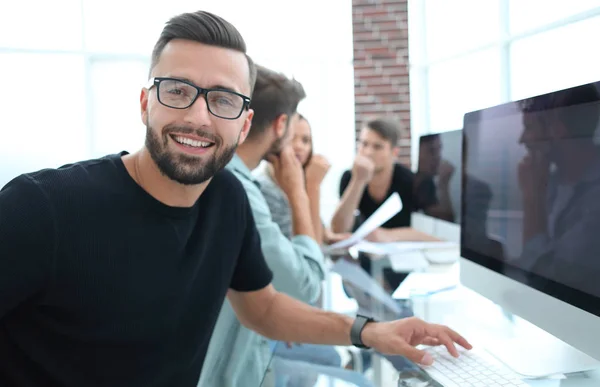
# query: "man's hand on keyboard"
{"type": "Point", "coordinates": [400, 337]}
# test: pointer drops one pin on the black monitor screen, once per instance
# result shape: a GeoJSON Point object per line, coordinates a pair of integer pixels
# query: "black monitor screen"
{"type": "Point", "coordinates": [437, 180]}
{"type": "Point", "coordinates": [531, 193]}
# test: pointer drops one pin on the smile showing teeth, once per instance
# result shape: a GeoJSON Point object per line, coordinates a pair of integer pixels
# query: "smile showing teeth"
{"type": "Point", "coordinates": [192, 143]}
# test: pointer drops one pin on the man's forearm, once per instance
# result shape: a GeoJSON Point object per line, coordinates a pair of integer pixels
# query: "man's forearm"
{"type": "Point", "coordinates": [405, 234]}
{"type": "Point", "coordinates": [343, 219]}
{"type": "Point", "coordinates": [301, 218]}
{"type": "Point", "coordinates": [288, 319]}
{"type": "Point", "coordinates": [314, 198]}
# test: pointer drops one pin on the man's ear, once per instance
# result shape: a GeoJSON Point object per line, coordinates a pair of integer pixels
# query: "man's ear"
{"type": "Point", "coordinates": [246, 128]}
{"type": "Point", "coordinates": [144, 105]}
{"type": "Point", "coordinates": [280, 124]}
{"type": "Point", "coordinates": [396, 151]}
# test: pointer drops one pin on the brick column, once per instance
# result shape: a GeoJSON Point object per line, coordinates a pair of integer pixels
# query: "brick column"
{"type": "Point", "coordinates": [381, 88]}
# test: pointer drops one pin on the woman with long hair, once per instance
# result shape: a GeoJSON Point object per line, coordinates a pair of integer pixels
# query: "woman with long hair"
{"type": "Point", "coordinates": [315, 168]}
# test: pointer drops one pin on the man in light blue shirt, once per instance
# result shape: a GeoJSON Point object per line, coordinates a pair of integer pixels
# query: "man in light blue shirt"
{"type": "Point", "coordinates": [238, 356]}
{"type": "Point", "coordinates": [559, 180]}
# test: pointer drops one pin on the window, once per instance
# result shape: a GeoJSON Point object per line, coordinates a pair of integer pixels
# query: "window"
{"type": "Point", "coordinates": [32, 24]}
{"type": "Point", "coordinates": [470, 54]}
{"type": "Point", "coordinates": [529, 14]}
{"type": "Point", "coordinates": [461, 85]}
{"type": "Point", "coordinates": [132, 30]}
{"type": "Point", "coordinates": [554, 60]}
{"type": "Point", "coordinates": [116, 120]}
{"type": "Point", "coordinates": [459, 25]}
{"type": "Point", "coordinates": [45, 124]}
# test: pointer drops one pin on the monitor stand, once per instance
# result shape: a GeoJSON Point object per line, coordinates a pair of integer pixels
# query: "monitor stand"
{"type": "Point", "coordinates": [534, 353]}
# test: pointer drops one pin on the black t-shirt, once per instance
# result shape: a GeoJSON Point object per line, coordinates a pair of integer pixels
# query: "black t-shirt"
{"type": "Point", "coordinates": [403, 183]}
{"type": "Point", "coordinates": [103, 285]}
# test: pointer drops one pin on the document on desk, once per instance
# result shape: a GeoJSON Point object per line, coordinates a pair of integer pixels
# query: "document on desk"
{"type": "Point", "coordinates": [385, 212]}
{"type": "Point", "coordinates": [408, 261]}
{"type": "Point", "coordinates": [427, 284]}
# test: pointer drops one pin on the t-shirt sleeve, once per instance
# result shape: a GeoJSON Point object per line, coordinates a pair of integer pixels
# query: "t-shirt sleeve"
{"type": "Point", "coordinates": [27, 242]}
{"type": "Point", "coordinates": [251, 271]}
{"type": "Point", "coordinates": [344, 181]}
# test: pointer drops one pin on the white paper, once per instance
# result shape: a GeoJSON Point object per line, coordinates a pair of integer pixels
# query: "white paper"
{"type": "Point", "coordinates": [401, 247]}
{"type": "Point", "coordinates": [385, 212]}
{"type": "Point", "coordinates": [408, 262]}
{"type": "Point", "coordinates": [426, 283]}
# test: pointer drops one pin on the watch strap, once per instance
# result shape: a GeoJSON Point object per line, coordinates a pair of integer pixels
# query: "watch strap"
{"type": "Point", "coordinates": [357, 327]}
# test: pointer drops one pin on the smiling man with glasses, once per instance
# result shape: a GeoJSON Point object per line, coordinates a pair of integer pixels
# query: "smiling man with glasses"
{"type": "Point", "coordinates": [113, 271]}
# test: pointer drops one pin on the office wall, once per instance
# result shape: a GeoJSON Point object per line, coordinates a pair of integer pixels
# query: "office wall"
{"type": "Point", "coordinates": [73, 69]}
{"type": "Point", "coordinates": [381, 87]}
{"type": "Point", "coordinates": [471, 54]}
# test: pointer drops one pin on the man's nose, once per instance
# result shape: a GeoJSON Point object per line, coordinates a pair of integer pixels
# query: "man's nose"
{"type": "Point", "coordinates": [523, 139]}
{"type": "Point", "coordinates": [198, 114]}
{"type": "Point", "coordinates": [366, 151]}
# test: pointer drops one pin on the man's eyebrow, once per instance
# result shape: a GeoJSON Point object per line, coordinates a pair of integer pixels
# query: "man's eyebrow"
{"type": "Point", "coordinates": [221, 87]}
{"type": "Point", "coordinates": [217, 86]}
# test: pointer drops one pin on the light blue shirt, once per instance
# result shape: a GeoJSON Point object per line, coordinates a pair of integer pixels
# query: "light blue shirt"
{"type": "Point", "coordinates": [568, 251]}
{"type": "Point", "coordinates": [236, 355]}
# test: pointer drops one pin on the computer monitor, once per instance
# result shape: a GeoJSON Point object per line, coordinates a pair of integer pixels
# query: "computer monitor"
{"type": "Point", "coordinates": [438, 185]}
{"type": "Point", "coordinates": [530, 224]}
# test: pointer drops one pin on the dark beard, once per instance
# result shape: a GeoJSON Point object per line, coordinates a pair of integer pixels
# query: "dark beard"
{"type": "Point", "coordinates": [184, 169]}
{"type": "Point", "coordinates": [278, 145]}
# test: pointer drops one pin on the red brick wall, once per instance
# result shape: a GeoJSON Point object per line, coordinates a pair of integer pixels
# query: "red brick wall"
{"type": "Point", "coordinates": [381, 88]}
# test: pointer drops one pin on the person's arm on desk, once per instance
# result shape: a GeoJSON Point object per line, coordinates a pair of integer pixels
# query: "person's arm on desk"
{"type": "Point", "coordinates": [399, 234]}
{"type": "Point", "coordinates": [362, 172]}
{"type": "Point", "coordinates": [283, 318]}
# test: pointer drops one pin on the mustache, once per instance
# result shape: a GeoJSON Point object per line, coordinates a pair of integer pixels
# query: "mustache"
{"type": "Point", "coordinates": [189, 130]}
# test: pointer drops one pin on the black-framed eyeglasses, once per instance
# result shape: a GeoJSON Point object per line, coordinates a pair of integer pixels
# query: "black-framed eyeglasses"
{"type": "Point", "coordinates": [179, 94]}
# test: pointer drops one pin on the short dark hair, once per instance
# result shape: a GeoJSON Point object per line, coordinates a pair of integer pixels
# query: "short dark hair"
{"type": "Point", "coordinates": [203, 27]}
{"type": "Point", "coordinates": [386, 128]}
{"type": "Point", "coordinates": [274, 94]}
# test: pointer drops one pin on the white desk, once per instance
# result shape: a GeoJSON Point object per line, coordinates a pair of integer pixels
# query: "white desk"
{"type": "Point", "coordinates": [482, 322]}
{"type": "Point", "coordinates": [473, 316]}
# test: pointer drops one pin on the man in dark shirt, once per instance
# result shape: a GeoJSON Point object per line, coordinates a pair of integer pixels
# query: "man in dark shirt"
{"type": "Point", "coordinates": [113, 271]}
{"type": "Point", "coordinates": [374, 177]}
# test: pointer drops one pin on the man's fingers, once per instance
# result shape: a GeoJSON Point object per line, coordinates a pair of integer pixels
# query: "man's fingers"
{"type": "Point", "coordinates": [458, 339]}
{"type": "Point", "coordinates": [415, 355]}
{"type": "Point", "coordinates": [287, 153]}
{"type": "Point", "coordinates": [446, 341]}
{"type": "Point", "coordinates": [431, 341]}
{"type": "Point", "coordinates": [448, 337]}
{"type": "Point", "coordinates": [273, 160]}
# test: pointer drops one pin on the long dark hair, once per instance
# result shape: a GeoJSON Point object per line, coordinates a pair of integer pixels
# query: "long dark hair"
{"type": "Point", "coordinates": [310, 154]}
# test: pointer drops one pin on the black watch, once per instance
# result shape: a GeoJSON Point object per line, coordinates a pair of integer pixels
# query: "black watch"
{"type": "Point", "coordinates": [357, 328]}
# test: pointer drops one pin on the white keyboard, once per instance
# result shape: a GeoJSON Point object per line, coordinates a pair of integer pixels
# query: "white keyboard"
{"type": "Point", "coordinates": [475, 368]}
